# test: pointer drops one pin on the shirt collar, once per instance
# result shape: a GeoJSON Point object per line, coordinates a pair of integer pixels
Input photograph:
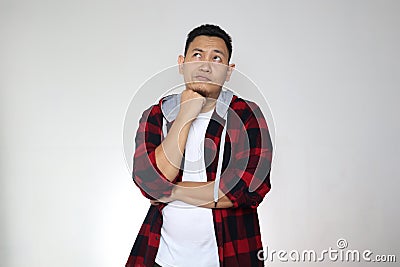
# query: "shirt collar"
{"type": "Point", "coordinates": [170, 104]}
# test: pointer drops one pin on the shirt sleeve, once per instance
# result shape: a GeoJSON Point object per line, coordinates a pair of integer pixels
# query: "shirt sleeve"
{"type": "Point", "coordinates": [146, 175]}
{"type": "Point", "coordinates": [246, 179]}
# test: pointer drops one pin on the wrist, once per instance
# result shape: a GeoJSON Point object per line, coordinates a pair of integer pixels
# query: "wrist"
{"type": "Point", "coordinates": [174, 192]}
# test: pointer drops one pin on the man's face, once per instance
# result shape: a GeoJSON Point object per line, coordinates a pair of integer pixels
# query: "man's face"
{"type": "Point", "coordinates": [205, 67]}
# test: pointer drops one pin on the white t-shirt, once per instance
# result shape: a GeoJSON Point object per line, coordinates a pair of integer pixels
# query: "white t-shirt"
{"type": "Point", "coordinates": [187, 233]}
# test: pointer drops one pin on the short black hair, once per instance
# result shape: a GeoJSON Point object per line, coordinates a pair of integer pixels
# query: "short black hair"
{"type": "Point", "coordinates": [209, 30]}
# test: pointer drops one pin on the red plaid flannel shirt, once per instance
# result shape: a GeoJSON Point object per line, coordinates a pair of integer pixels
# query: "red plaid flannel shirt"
{"type": "Point", "coordinates": [245, 180]}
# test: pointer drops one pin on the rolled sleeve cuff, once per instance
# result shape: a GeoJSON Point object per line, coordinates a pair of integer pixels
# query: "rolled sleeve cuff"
{"type": "Point", "coordinates": [237, 191]}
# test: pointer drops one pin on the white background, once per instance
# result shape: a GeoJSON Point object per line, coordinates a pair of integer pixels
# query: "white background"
{"type": "Point", "coordinates": [68, 70]}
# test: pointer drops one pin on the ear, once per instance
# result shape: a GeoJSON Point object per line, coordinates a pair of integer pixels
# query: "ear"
{"type": "Point", "coordinates": [181, 60]}
{"type": "Point", "coordinates": [229, 72]}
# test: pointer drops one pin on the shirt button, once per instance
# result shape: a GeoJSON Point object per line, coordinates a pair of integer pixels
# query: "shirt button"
{"type": "Point", "coordinates": [157, 238]}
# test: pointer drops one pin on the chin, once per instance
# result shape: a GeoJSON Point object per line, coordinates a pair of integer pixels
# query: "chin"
{"type": "Point", "coordinates": [200, 88]}
{"type": "Point", "coordinates": [201, 92]}
{"type": "Point", "coordinates": [205, 89]}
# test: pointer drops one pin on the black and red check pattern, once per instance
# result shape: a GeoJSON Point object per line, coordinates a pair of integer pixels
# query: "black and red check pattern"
{"type": "Point", "coordinates": [245, 179]}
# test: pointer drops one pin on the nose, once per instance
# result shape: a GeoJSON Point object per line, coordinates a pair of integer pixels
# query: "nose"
{"type": "Point", "coordinates": [205, 66]}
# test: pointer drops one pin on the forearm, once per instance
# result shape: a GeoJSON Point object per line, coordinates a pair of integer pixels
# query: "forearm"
{"type": "Point", "coordinates": [200, 194]}
{"type": "Point", "coordinates": [170, 152]}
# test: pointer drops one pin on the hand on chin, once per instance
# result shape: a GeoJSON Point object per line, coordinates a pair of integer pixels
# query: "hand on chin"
{"type": "Point", "coordinates": [200, 91]}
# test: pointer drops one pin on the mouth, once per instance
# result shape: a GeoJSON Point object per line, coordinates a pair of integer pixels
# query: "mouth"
{"type": "Point", "coordinates": [202, 78]}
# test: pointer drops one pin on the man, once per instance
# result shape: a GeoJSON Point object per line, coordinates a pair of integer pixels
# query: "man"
{"type": "Point", "coordinates": [203, 159]}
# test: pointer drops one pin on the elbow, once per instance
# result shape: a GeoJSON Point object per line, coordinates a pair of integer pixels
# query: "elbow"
{"type": "Point", "coordinates": [149, 179]}
{"type": "Point", "coordinates": [142, 187]}
{"type": "Point", "coordinates": [152, 186]}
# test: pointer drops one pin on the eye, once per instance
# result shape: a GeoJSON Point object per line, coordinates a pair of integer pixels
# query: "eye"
{"type": "Point", "coordinates": [197, 55]}
{"type": "Point", "coordinates": [217, 59]}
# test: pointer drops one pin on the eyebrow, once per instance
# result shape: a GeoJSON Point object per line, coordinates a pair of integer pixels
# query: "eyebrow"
{"type": "Point", "coordinates": [215, 50]}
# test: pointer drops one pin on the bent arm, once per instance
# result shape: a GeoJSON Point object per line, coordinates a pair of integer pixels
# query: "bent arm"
{"type": "Point", "coordinates": [246, 179]}
{"type": "Point", "coordinates": [157, 162]}
{"type": "Point", "coordinates": [170, 152]}
{"type": "Point", "coordinates": [147, 176]}
{"type": "Point", "coordinates": [200, 194]}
